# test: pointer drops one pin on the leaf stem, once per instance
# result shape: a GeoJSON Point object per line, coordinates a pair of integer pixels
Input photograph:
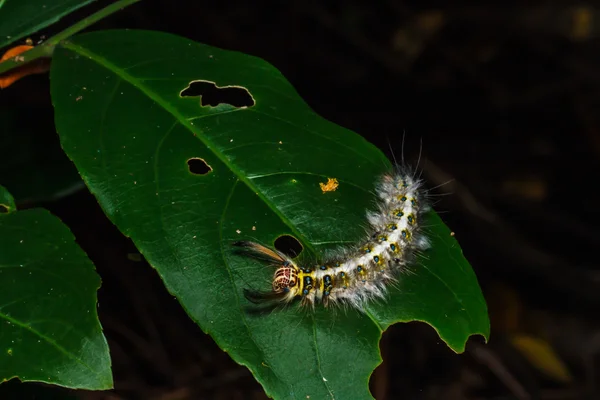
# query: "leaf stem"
{"type": "Point", "coordinates": [47, 48]}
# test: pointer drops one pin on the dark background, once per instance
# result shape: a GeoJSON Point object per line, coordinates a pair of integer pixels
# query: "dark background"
{"type": "Point", "coordinates": [505, 100]}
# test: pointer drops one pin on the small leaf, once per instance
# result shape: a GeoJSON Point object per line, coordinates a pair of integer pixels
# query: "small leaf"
{"type": "Point", "coordinates": [49, 328]}
{"type": "Point", "coordinates": [21, 18]}
{"type": "Point", "coordinates": [7, 203]}
{"type": "Point", "coordinates": [542, 356]}
{"type": "Point", "coordinates": [137, 135]}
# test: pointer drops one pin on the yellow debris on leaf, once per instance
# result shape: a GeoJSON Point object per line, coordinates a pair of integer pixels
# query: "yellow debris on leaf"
{"type": "Point", "coordinates": [331, 185]}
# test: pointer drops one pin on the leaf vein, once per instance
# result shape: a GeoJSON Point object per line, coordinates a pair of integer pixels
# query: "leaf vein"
{"type": "Point", "coordinates": [49, 341]}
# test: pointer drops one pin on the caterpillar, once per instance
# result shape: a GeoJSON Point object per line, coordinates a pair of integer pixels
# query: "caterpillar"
{"type": "Point", "coordinates": [358, 274]}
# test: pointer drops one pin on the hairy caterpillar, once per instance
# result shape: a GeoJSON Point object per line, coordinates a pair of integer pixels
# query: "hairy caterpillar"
{"type": "Point", "coordinates": [356, 275]}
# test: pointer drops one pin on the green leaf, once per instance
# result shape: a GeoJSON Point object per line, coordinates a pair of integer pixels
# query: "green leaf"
{"type": "Point", "coordinates": [7, 203]}
{"type": "Point", "coordinates": [445, 292]}
{"type": "Point", "coordinates": [49, 328]}
{"type": "Point", "coordinates": [21, 18]}
{"type": "Point", "coordinates": [131, 134]}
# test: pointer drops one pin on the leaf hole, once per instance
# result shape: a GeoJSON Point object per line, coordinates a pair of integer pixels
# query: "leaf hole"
{"type": "Point", "coordinates": [288, 245]}
{"type": "Point", "coordinates": [212, 95]}
{"type": "Point", "coordinates": [3, 209]}
{"type": "Point", "coordinates": [198, 166]}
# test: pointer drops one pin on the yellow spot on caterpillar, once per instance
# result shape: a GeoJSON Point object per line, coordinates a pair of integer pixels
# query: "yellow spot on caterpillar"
{"type": "Point", "coordinates": [331, 185]}
{"type": "Point", "coordinates": [321, 285]}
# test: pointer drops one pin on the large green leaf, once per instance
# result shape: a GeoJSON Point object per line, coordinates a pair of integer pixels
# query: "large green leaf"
{"type": "Point", "coordinates": [49, 328]}
{"type": "Point", "coordinates": [122, 121]}
{"type": "Point", "coordinates": [19, 18]}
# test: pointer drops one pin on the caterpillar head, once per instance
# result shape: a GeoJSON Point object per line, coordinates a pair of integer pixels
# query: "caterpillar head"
{"type": "Point", "coordinates": [285, 277]}
{"type": "Point", "coordinates": [285, 280]}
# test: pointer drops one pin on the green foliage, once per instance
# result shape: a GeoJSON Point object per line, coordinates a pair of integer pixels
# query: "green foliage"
{"type": "Point", "coordinates": [131, 135]}
{"type": "Point", "coordinates": [21, 18]}
{"type": "Point", "coordinates": [49, 329]}
{"type": "Point", "coordinates": [7, 202]}
{"type": "Point", "coordinates": [137, 111]}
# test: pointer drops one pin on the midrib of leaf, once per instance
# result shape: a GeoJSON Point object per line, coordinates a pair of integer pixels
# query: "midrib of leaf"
{"type": "Point", "coordinates": [211, 146]}
{"type": "Point", "coordinates": [306, 173]}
